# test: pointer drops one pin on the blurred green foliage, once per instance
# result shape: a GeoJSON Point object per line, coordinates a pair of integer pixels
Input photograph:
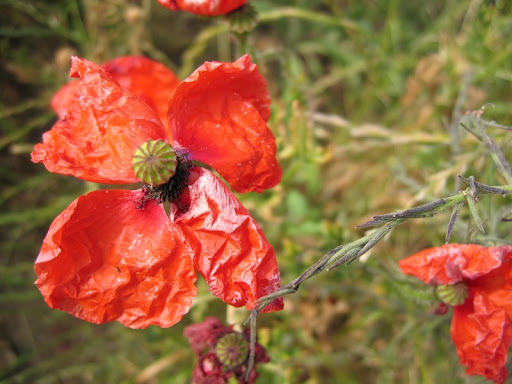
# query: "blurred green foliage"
{"type": "Point", "coordinates": [366, 100]}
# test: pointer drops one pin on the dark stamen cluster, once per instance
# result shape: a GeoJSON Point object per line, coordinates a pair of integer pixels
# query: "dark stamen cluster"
{"type": "Point", "coordinates": [171, 190]}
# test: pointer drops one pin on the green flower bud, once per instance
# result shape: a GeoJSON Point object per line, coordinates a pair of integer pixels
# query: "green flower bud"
{"type": "Point", "coordinates": [455, 294]}
{"type": "Point", "coordinates": [232, 350]}
{"type": "Point", "coordinates": [154, 162]}
{"type": "Point", "coordinates": [243, 19]}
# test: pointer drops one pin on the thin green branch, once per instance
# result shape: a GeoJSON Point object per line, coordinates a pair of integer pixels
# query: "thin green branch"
{"type": "Point", "coordinates": [474, 124]}
{"type": "Point", "coordinates": [252, 345]}
{"type": "Point", "coordinates": [346, 253]}
{"type": "Point", "coordinates": [319, 18]}
{"type": "Point", "coordinates": [455, 213]}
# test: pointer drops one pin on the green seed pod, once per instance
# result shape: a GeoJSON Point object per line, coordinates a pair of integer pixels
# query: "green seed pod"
{"type": "Point", "coordinates": [154, 162]}
{"type": "Point", "coordinates": [232, 349]}
{"type": "Point", "coordinates": [243, 19]}
{"type": "Point", "coordinates": [453, 295]}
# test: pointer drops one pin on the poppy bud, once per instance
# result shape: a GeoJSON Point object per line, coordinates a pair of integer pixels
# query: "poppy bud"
{"type": "Point", "coordinates": [243, 19]}
{"type": "Point", "coordinates": [232, 350]}
{"type": "Point", "coordinates": [154, 162]}
{"type": "Point", "coordinates": [454, 294]}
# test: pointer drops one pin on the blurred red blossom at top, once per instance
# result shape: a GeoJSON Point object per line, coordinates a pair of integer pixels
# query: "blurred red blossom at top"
{"type": "Point", "coordinates": [203, 7]}
{"type": "Point", "coordinates": [222, 353]}
{"type": "Point", "coordinates": [482, 325]}
{"type": "Point", "coordinates": [116, 254]}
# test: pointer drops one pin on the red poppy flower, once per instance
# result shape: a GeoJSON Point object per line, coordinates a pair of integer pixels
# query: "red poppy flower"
{"type": "Point", "coordinates": [115, 254]}
{"type": "Point", "coordinates": [222, 353]}
{"type": "Point", "coordinates": [203, 7]}
{"type": "Point", "coordinates": [481, 326]}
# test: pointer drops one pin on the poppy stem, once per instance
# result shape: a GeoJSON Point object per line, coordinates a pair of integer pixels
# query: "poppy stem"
{"type": "Point", "coordinates": [252, 345]}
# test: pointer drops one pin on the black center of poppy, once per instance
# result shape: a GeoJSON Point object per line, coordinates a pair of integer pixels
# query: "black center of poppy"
{"type": "Point", "coordinates": [170, 191]}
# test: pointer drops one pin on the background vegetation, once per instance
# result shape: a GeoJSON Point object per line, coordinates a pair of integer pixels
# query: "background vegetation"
{"type": "Point", "coordinates": [367, 96]}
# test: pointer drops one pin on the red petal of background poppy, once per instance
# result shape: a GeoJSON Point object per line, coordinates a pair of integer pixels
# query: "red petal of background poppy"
{"type": "Point", "coordinates": [103, 260]}
{"type": "Point", "coordinates": [103, 127]}
{"type": "Point", "coordinates": [218, 114]}
{"type": "Point", "coordinates": [451, 263]}
{"type": "Point", "coordinates": [204, 7]}
{"type": "Point", "coordinates": [482, 334]}
{"type": "Point", "coordinates": [231, 251]}
{"type": "Point", "coordinates": [64, 98]}
{"type": "Point", "coordinates": [150, 81]}
{"type": "Point", "coordinates": [204, 335]}
{"type": "Point", "coordinates": [496, 286]}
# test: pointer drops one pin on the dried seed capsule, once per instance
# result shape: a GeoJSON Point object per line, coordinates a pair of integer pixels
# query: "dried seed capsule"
{"type": "Point", "coordinates": [232, 349]}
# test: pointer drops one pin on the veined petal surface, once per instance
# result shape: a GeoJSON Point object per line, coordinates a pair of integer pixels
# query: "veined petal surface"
{"type": "Point", "coordinates": [482, 334]}
{"type": "Point", "coordinates": [104, 259]}
{"type": "Point", "coordinates": [103, 127]}
{"type": "Point", "coordinates": [231, 251]}
{"type": "Point", "coordinates": [218, 115]}
{"type": "Point", "coordinates": [149, 80]}
{"type": "Point", "coordinates": [452, 263]}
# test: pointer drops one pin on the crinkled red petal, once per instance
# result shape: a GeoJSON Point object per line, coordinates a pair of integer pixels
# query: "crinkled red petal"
{"type": "Point", "coordinates": [218, 114]}
{"type": "Point", "coordinates": [482, 334]}
{"type": "Point", "coordinates": [103, 127]}
{"type": "Point", "coordinates": [496, 286]}
{"type": "Point", "coordinates": [205, 7]}
{"type": "Point", "coordinates": [231, 251]}
{"type": "Point", "coordinates": [150, 81]}
{"type": "Point", "coordinates": [104, 260]}
{"type": "Point", "coordinates": [64, 98]}
{"type": "Point", "coordinates": [451, 263]}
